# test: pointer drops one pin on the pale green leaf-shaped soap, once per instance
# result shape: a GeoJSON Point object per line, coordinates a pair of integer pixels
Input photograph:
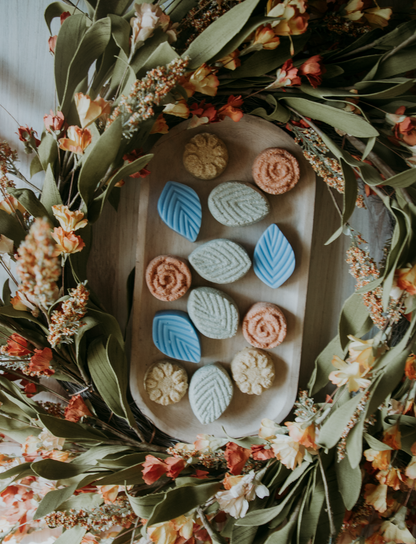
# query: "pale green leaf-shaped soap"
{"type": "Point", "coordinates": [210, 393]}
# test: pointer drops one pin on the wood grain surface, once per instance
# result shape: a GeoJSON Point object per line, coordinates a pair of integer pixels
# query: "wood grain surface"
{"type": "Point", "coordinates": [27, 92]}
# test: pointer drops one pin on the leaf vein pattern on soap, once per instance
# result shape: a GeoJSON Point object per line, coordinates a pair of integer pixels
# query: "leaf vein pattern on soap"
{"type": "Point", "coordinates": [220, 261]}
{"type": "Point", "coordinates": [213, 315]}
{"type": "Point", "coordinates": [175, 336]}
{"type": "Point", "coordinates": [274, 259]}
{"type": "Point", "coordinates": [235, 204]}
{"type": "Point", "coordinates": [180, 208]}
{"type": "Point", "coordinates": [213, 395]}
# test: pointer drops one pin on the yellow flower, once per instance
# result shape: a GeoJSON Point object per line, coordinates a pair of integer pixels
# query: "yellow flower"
{"type": "Point", "coordinates": [66, 242]}
{"type": "Point", "coordinates": [180, 109]}
{"type": "Point", "coordinates": [90, 110]}
{"type": "Point", "coordinates": [376, 495]}
{"type": "Point", "coordinates": [68, 220]}
{"type": "Point", "coordinates": [351, 374]}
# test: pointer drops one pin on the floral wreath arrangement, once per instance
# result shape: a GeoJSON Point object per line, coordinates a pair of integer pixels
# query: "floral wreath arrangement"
{"type": "Point", "coordinates": [337, 75]}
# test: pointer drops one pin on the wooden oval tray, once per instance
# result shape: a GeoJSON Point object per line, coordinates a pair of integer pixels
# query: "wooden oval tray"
{"type": "Point", "coordinates": [292, 212]}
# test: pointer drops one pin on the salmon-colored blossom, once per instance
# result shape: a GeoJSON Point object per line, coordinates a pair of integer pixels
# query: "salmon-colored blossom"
{"type": "Point", "coordinates": [410, 367]}
{"type": "Point", "coordinates": [306, 436]}
{"type": "Point", "coordinates": [203, 81]}
{"type": "Point", "coordinates": [17, 346]}
{"type": "Point", "coordinates": [265, 38]}
{"type": "Point", "coordinates": [179, 109]}
{"type": "Point", "coordinates": [175, 466]}
{"type": "Point", "coordinates": [268, 429]}
{"type": "Point", "coordinates": [160, 126]}
{"type": "Point", "coordinates": [76, 409]}
{"type": "Point", "coordinates": [69, 220]}
{"type": "Point", "coordinates": [77, 141]}
{"type": "Point", "coordinates": [40, 362]}
{"type": "Point", "coordinates": [66, 242]}
{"type": "Point", "coordinates": [154, 468]}
{"type": "Point", "coordinates": [54, 123]}
{"type": "Point", "coordinates": [236, 457]}
{"type": "Point", "coordinates": [313, 69]}
{"type": "Point", "coordinates": [346, 373]}
{"type": "Point", "coordinates": [380, 460]}
{"type": "Point", "coordinates": [52, 44]}
{"type": "Point", "coordinates": [406, 277]}
{"type": "Point", "coordinates": [286, 76]}
{"type": "Point", "coordinates": [200, 474]}
{"type": "Point", "coordinates": [202, 114]}
{"type": "Point", "coordinates": [260, 453]}
{"type": "Point", "coordinates": [392, 437]}
{"type": "Point", "coordinates": [28, 136]}
{"type": "Point", "coordinates": [361, 351]}
{"type": "Point", "coordinates": [376, 496]}
{"type": "Point", "coordinates": [391, 477]}
{"type": "Point", "coordinates": [90, 110]}
{"type": "Point", "coordinates": [109, 492]}
{"type": "Point", "coordinates": [293, 17]}
{"type": "Point", "coordinates": [231, 61]}
{"type": "Point", "coordinates": [175, 531]}
{"type": "Point", "coordinates": [207, 442]}
{"type": "Point", "coordinates": [231, 109]}
{"type": "Point", "coordinates": [396, 533]}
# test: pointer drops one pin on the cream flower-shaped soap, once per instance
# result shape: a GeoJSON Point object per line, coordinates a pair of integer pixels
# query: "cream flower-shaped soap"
{"type": "Point", "coordinates": [166, 383]}
{"type": "Point", "coordinates": [205, 156]}
{"type": "Point", "coordinates": [253, 371]}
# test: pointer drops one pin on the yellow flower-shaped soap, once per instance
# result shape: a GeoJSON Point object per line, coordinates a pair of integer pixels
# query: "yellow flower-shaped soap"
{"type": "Point", "coordinates": [253, 371]}
{"type": "Point", "coordinates": [205, 156]}
{"type": "Point", "coordinates": [166, 383]}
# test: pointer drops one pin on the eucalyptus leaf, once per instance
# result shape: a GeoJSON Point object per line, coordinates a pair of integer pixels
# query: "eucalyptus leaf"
{"type": "Point", "coordinates": [35, 166]}
{"type": "Point", "coordinates": [354, 319]}
{"type": "Point", "coordinates": [70, 430]}
{"type": "Point", "coordinates": [349, 482]}
{"type": "Point", "coordinates": [29, 201]}
{"type": "Point", "coordinates": [15, 472]}
{"type": "Point", "coordinates": [52, 500]}
{"type": "Point", "coordinates": [144, 506]}
{"type": "Point", "coordinates": [72, 536]}
{"type": "Point", "coordinates": [11, 227]}
{"type": "Point", "coordinates": [375, 444]}
{"type": "Point", "coordinates": [323, 365]}
{"type": "Point", "coordinates": [128, 476]}
{"type": "Point", "coordinates": [82, 501]}
{"type": "Point", "coordinates": [50, 193]}
{"type": "Point", "coordinates": [55, 470]}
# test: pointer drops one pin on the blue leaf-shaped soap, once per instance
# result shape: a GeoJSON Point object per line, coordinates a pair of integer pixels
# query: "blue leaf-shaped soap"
{"type": "Point", "coordinates": [274, 259]}
{"type": "Point", "coordinates": [180, 208]}
{"type": "Point", "coordinates": [175, 336]}
{"type": "Point", "coordinates": [210, 392]}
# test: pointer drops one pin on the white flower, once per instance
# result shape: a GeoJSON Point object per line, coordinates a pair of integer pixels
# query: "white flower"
{"type": "Point", "coordinates": [290, 452]}
{"type": "Point", "coordinates": [268, 428]}
{"type": "Point", "coordinates": [235, 500]}
{"type": "Point", "coordinates": [207, 442]}
{"type": "Point", "coordinates": [49, 441]}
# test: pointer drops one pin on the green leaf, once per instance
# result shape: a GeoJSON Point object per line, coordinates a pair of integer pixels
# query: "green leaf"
{"type": "Point", "coordinates": [92, 45]}
{"type": "Point", "coordinates": [48, 149]}
{"type": "Point", "coordinates": [162, 55]}
{"type": "Point", "coordinates": [180, 500]}
{"type": "Point", "coordinates": [354, 319]}
{"type": "Point", "coordinates": [16, 430]}
{"type": "Point", "coordinates": [128, 476]}
{"type": "Point", "coordinates": [55, 10]}
{"type": "Point", "coordinates": [72, 536]}
{"type": "Point", "coordinates": [9, 311]}
{"type": "Point", "coordinates": [349, 482]}
{"type": "Point", "coordinates": [6, 292]}
{"type": "Point", "coordinates": [121, 30]}
{"type": "Point", "coordinates": [82, 501]}
{"type": "Point", "coordinates": [243, 535]}
{"type": "Point", "coordinates": [29, 201]}
{"type": "Point", "coordinates": [99, 452]}
{"type": "Point", "coordinates": [50, 194]}
{"type": "Point", "coordinates": [294, 475]}
{"type": "Point", "coordinates": [105, 7]}
{"type": "Point", "coordinates": [35, 166]}
{"type": "Point", "coordinates": [399, 63]}
{"type": "Point", "coordinates": [56, 470]}
{"type": "Point", "coordinates": [70, 430]}
{"type": "Point", "coordinates": [284, 535]}
{"type": "Point", "coordinates": [11, 227]}
{"type": "Point", "coordinates": [108, 323]}
{"type": "Point", "coordinates": [219, 33]}
{"type": "Point", "coordinates": [15, 472]}
{"type": "Point", "coordinates": [323, 366]}
{"type": "Point", "coordinates": [280, 113]}
{"type": "Point", "coordinates": [312, 513]}
{"type": "Point", "coordinates": [144, 506]}
{"type": "Point", "coordinates": [69, 37]}
{"type": "Point", "coordinates": [99, 161]}
{"type": "Point", "coordinates": [334, 426]}
{"type": "Point", "coordinates": [402, 180]}
{"type": "Point", "coordinates": [375, 444]}
{"type": "Point", "coordinates": [52, 500]}
{"type": "Point", "coordinates": [350, 123]}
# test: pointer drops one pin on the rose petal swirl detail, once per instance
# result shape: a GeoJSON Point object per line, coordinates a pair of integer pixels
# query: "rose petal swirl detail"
{"type": "Point", "coordinates": [168, 278]}
{"type": "Point", "coordinates": [264, 325]}
{"type": "Point", "coordinates": [276, 171]}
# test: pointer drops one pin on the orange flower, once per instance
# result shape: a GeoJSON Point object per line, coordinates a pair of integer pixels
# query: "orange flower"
{"type": "Point", "coordinates": [66, 242]}
{"type": "Point", "coordinates": [18, 304]}
{"type": "Point", "coordinates": [231, 61]}
{"type": "Point", "coordinates": [392, 437]}
{"type": "Point", "coordinates": [40, 362]}
{"type": "Point", "coordinates": [236, 457]}
{"type": "Point", "coordinates": [306, 437]}
{"type": "Point", "coordinates": [153, 469]}
{"type": "Point", "coordinates": [201, 474]}
{"type": "Point", "coordinates": [160, 126]}
{"type": "Point", "coordinates": [265, 37]}
{"type": "Point", "coordinates": [294, 19]}
{"type": "Point", "coordinates": [10, 205]}
{"type": "Point", "coordinates": [203, 81]}
{"type": "Point", "coordinates": [56, 455]}
{"type": "Point", "coordinates": [313, 70]}
{"type": "Point", "coordinates": [391, 477]}
{"type": "Point", "coordinates": [68, 220]}
{"type": "Point", "coordinates": [180, 109]}
{"type": "Point", "coordinates": [76, 409]}
{"type": "Point", "coordinates": [230, 481]}
{"type": "Point", "coordinates": [202, 114]}
{"type": "Point", "coordinates": [17, 346]}
{"type": "Point", "coordinates": [175, 466]}
{"type": "Point", "coordinates": [90, 110]}
{"type": "Point", "coordinates": [410, 367]}
{"type": "Point", "coordinates": [379, 459]}
{"type": "Point", "coordinates": [406, 277]}
{"type": "Point", "coordinates": [231, 109]}
{"type": "Point", "coordinates": [376, 496]}
{"type": "Point", "coordinates": [54, 123]}
{"type": "Point", "coordinates": [78, 140]}
{"type": "Point", "coordinates": [109, 492]}
{"type": "Point", "coordinates": [286, 76]}
{"type": "Point", "coordinates": [259, 452]}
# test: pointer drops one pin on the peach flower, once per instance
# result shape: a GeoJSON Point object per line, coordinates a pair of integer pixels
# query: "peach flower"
{"type": "Point", "coordinates": [306, 436]}
{"type": "Point", "coordinates": [69, 220]}
{"type": "Point", "coordinates": [76, 409]}
{"type": "Point", "coordinates": [52, 44]}
{"type": "Point", "coordinates": [90, 110]}
{"type": "Point", "coordinates": [313, 70]}
{"type": "Point", "coordinates": [293, 17]}
{"type": "Point", "coordinates": [10, 205]}
{"type": "Point", "coordinates": [231, 109]}
{"type": "Point", "coordinates": [406, 277]}
{"type": "Point", "coordinates": [66, 242]}
{"type": "Point", "coordinates": [265, 38]}
{"type": "Point", "coordinates": [376, 496]}
{"type": "Point", "coordinates": [391, 477]}
{"type": "Point", "coordinates": [17, 346]}
{"type": "Point", "coordinates": [179, 109]}
{"type": "Point", "coordinates": [54, 123]}
{"type": "Point", "coordinates": [160, 126]}
{"type": "Point", "coordinates": [40, 362]}
{"type": "Point", "coordinates": [231, 61]}
{"type": "Point", "coordinates": [288, 451]}
{"type": "Point", "coordinates": [286, 76]}
{"type": "Point", "coordinates": [351, 374]}
{"type": "Point", "coordinates": [410, 367]}
{"type": "Point", "coordinates": [203, 81]}
{"type": "Point", "coordinates": [77, 141]}
{"type": "Point", "coordinates": [6, 245]}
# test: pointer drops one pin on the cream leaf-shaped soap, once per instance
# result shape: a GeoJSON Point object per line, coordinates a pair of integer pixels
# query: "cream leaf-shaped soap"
{"type": "Point", "coordinates": [210, 393]}
{"type": "Point", "coordinates": [213, 313]}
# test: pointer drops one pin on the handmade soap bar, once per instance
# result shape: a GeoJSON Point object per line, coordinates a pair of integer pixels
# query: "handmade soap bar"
{"type": "Point", "coordinates": [205, 156]}
{"type": "Point", "coordinates": [213, 313]}
{"type": "Point", "coordinates": [175, 336]}
{"type": "Point", "coordinates": [210, 392]}
{"type": "Point", "coordinates": [276, 171]}
{"type": "Point", "coordinates": [235, 204]}
{"type": "Point", "coordinates": [180, 208]}
{"type": "Point", "coordinates": [166, 382]}
{"type": "Point", "coordinates": [253, 371]}
{"type": "Point", "coordinates": [220, 261]}
{"type": "Point", "coordinates": [168, 278]}
{"type": "Point", "coordinates": [274, 259]}
{"type": "Point", "coordinates": [264, 325]}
